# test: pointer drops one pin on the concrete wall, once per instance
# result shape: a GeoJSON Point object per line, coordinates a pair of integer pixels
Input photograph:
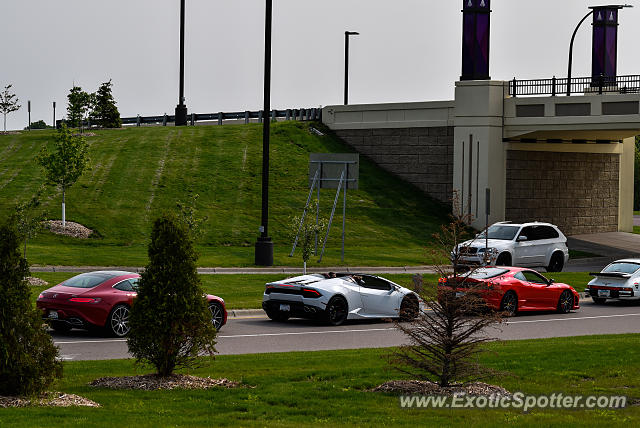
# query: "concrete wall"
{"type": "Point", "coordinates": [578, 192]}
{"type": "Point", "coordinates": [421, 156]}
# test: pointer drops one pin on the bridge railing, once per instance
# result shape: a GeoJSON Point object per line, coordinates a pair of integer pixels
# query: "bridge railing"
{"type": "Point", "coordinates": [577, 86]}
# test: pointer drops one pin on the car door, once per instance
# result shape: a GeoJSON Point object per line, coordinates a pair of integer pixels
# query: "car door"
{"type": "Point", "coordinates": [379, 297]}
{"type": "Point", "coordinates": [527, 252]}
{"type": "Point", "coordinates": [538, 292]}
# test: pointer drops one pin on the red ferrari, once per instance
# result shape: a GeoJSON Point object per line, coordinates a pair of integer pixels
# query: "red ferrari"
{"type": "Point", "coordinates": [102, 299]}
{"type": "Point", "coordinates": [513, 290]}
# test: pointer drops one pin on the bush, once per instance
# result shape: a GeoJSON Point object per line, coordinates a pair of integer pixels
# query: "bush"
{"type": "Point", "coordinates": [170, 321]}
{"type": "Point", "coordinates": [28, 357]}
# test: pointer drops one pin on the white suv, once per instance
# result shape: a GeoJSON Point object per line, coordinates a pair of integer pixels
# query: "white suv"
{"type": "Point", "coordinates": [527, 245]}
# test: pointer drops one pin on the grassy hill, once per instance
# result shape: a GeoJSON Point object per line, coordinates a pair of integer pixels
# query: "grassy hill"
{"type": "Point", "coordinates": [136, 173]}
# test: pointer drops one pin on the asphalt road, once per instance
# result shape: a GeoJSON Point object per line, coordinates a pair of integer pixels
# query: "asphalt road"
{"type": "Point", "coordinates": [260, 335]}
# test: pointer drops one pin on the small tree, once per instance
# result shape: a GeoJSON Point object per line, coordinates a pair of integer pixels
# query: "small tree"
{"type": "Point", "coordinates": [28, 357]}
{"type": "Point", "coordinates": [104, 111]}
{"type": "Point", "coordinates": [303, 231]}
{"type": "Point", "coordinates": [8, 103]}
{"type": "Point", "coordinates": [170, 322]}
{"type": "Point", "coordinates": [187, 212]}
{"type": "Point", "coordinates": [66, 163]}
{"type": "Point", "coordinates": [445, 339]}
{"type": "Point", "coordinates": [40, 124]}
{"type": "Point", "coordinates": [78, 105]}
{"type": "Point", "coordinates": [28, 219]}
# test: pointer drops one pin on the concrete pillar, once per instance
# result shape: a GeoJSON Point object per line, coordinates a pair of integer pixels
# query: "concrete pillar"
{"type": "Point", "coordinates": [625, 200]}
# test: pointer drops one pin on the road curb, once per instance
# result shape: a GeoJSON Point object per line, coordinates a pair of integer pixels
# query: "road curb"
{"type": "Point", "coordinates": [281, 270]}
{"type": "Point", "coordinates": [245, 313]}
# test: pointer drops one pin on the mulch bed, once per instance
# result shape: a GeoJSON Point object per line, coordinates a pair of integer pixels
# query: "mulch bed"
{"type": "Point", "coordinates": [75, 230]}
{"type": "Point", "coordinates": [419, 387]}
{"type": "Point", "coordinates": [48, 399]}
{"type": "Point", "coordinates": [154, 382]}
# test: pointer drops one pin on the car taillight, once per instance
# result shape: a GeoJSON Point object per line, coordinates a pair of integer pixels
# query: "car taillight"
{"type": "Point", "coordinates": [85, 300]}
{"type": "Point", "coordinates": [310, 293]}
{"type": "Point", "coordinates": [41, 296]}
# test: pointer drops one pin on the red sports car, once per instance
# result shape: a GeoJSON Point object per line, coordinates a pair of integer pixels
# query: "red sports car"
{"type": "Point", "coordinates": [102, 299]}
{"type": "Point", "coordinates": [513, 289]}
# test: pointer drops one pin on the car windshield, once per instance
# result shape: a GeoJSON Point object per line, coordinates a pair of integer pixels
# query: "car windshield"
{"type": "Point", "coordinates": [621, 267]}
{"type": "Point", "coordinates": [486, 273]}
{"type": "Point", "coordinates": [87, 280]}
{"type": "Point", "coordinates": [501, 231]}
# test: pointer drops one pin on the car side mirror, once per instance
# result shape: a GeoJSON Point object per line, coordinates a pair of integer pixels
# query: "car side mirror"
{"type": "Point", "coordinates": [522, 238]}
{"type": "Point", "coordinates": [551, 281]}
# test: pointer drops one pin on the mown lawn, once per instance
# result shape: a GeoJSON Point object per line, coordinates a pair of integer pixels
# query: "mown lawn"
{"type": "Point", "coordinates": [331, 388]}
{"type": "Point", "coordinates": [245, 291]}
{"type": "Point", "coordinates": [137, 173]}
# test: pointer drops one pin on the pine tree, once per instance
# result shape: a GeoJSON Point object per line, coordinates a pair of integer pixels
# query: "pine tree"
{"type": "Point", "coordinates": [104, 112]}
{"type": "Point", "coordinates": [28, 357]}
{"type": "Point", "coordinates": [78, 104]}
{"type": "Point", "coordinates": [170, 322]}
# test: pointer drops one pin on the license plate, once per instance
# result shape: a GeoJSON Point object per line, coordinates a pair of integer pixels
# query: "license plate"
{"type": "Point", "coordinates": [285, 308]}
{"type": "Point", "coordinates": [459, 294]}
{"type": "Point", "coordinates": [53, 315]}
{"type": "Point", "coordinates": [604, 293]}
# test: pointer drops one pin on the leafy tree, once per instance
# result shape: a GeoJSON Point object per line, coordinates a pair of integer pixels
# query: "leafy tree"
{"type": "Point", "coordinates": [8, 103]}
{"type": "Point", "coordinates": [304, 230]}
{"type": "Point", "coordinates": [78, 105]}
{"type": "Point", "coordinates": [41, 124]}
{"type": "Point", "coordinates": [170, 322]}
{"type": "Point", "coordinates": [104, 112]}
{"type": "Point", "coordinates": [28, 357]}
{"type": "Point", "coordinates": [28, 218]}
{"type": "Point", "coordinates": [188, 215]}
{"type": "Point", "coordinates": [446, 339]}
{"type": "Point", "coordinates": [66, 163]}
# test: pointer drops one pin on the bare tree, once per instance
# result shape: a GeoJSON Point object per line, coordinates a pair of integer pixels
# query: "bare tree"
{"type": "Point", "coordinates": [445, 338]}
{"type": "Point", "coordinates": [8, 104]}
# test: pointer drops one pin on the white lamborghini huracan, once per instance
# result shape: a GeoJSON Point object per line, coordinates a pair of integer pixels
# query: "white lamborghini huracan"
{"type": "Point", "coordinates": [336, 298]}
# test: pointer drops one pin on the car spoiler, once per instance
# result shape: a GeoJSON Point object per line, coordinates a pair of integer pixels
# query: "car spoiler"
{"type": "Point", "coordinates": [611, 274]}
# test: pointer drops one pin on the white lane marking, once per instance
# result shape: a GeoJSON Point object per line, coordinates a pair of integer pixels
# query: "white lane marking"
{"type": "Point", "coordinates": [301, 333]}
{"type": "Point", "coordinates": [574, 319]}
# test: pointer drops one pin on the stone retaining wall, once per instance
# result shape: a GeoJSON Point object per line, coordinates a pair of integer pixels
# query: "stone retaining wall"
{"type": "Point", "coordinates": [578, 192]}
{"type": "Point", "coordinates": [420, 156]}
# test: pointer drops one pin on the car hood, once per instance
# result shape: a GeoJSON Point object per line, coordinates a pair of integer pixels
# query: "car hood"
{"type": "Point", "coordinates": [480, 243]}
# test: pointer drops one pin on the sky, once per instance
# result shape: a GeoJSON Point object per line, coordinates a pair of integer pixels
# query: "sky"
{"type": "Point", "coordinates": [408, 50]}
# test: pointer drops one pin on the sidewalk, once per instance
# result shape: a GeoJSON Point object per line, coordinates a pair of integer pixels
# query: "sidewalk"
{"type": "Point", "coordinates": [276, 270]}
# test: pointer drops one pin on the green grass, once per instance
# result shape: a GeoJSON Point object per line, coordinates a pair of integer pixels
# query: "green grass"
{"type": "Point", "coordinates": [636, 229]}
{"type": "Point", "coordinates": [137, 173]}
{"type": "Point", "coordinates": [331, 389]}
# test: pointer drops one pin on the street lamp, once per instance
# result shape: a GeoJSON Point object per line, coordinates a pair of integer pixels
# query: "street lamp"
{"type": "Point", "coordinates": [346, 63]}
{"type": "Point", "coordinates": [181, 108]}
{"type": "Point", "coordinates": [264, 244]}
{"type": "Point", "coordinates": [593, 8]}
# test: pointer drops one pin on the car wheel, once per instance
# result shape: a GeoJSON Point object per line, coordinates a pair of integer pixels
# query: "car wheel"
{"type": "Point", "coordinates": [504, 259]}
{"type": "Point", "coordinates": [277, 315]}
{"type": "Point", "coordinates": [408, 309]}
{"type": "Point", "coordinates": [118, 321]}
{"type": "Point", "coordinates": [61, 327]}
{"type": "Point", "coordinates": [556, 263]}
{"type": "Point", "coordinates": [599, 300]}
{"type": "Point", "coordinates": [337, 310]}
{"type": "Point", "coordinates": [509, 304]}
{"type": "Point", "coordinates": [217, 315]}
{"type": "Point", "coordinates": [565, 303]}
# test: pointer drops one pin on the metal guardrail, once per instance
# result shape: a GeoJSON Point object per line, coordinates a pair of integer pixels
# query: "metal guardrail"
{"type": "Point", "coordinates": [303, 114]}
{"type": "Point", "coordinates": [578, 86]}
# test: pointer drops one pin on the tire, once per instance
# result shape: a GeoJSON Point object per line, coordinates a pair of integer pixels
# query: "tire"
{"type": "Point", "coordinates": [217, 314]}
{"type": "Point", "coordinates": [60, 327]}
{"type": "Point", "coordinates": [565, 302]}
{"type": "Point", "coordinates": [504, 259]}
{"type": "Point", "coordinates": [277, 315]}
{"type": "Point", "coordinates": [408, 309]}
{"type": "Point", "coordinates": [337, 310]}
{"type": "Point", "coordinates": [118, 321]}
{"type": "Point", "coordinates": [556, 263]}
{"type": "Point", "coordinates": [599, 300]}
{"type": "Point", "coordinates": [509, 304]}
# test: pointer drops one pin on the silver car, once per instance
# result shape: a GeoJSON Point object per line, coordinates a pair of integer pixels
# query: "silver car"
{"type": "Point", "coordinates": [619, 280]}
{"type": "Point", "coordinates": [510, 244]}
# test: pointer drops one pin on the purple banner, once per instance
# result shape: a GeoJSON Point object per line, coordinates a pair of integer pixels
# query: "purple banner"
{"type": "Point", "coordinates": [605, 44]}
{"type": "Point", "coordinates": [475, 39]}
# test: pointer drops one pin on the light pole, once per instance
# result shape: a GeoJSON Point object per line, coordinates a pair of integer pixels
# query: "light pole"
{"type": "Point", "coordinates": [346, 63]}
{"type": "Point", "coordinates": [181, 108]}
{"type": "Point", "coordinates": [573, 37]}
{"type": "Point", "coordinates": [54, 115]}
{"type": "Point", "coordinates": [264, 244]}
